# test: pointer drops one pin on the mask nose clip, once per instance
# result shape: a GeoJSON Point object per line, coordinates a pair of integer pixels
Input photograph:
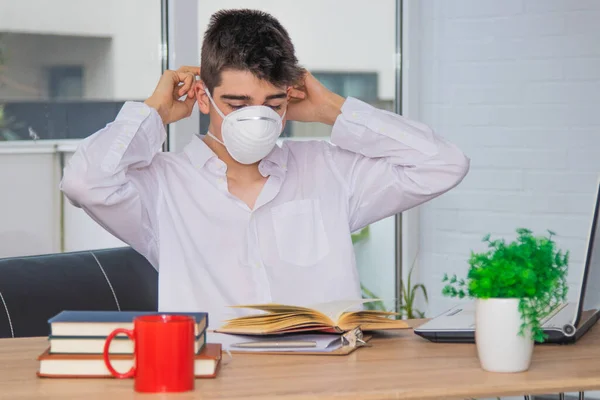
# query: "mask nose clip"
{"type": "Point", "coordinates": [256, 118]}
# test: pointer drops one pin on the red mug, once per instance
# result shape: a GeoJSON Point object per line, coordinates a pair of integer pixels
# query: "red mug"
{"type": "Point", "coordinates": [163, 352]}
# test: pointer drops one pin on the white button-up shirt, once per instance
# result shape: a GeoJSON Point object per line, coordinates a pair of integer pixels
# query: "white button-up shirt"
{"type": "Point", "coordinates": [211, 250]}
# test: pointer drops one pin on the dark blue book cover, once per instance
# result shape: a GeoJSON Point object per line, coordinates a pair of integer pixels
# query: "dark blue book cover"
{"type": "Point", "coordinates": [116, 316]}
{"type": "Point", "coordinates": [101, 323]}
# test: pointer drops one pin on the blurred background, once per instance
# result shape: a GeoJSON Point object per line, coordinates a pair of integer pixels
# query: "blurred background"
{"type": "Point", "coordinates": [514, 83]}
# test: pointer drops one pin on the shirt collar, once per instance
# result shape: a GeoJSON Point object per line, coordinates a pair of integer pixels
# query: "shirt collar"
{"type": "Point", "coordinates": [278, 156]}
{"type": "Point", "coordinates": [198, 152]}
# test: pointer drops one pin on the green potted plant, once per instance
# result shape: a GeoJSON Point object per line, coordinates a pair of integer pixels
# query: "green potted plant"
{"type": "Point", "coordinates": [515, 285]}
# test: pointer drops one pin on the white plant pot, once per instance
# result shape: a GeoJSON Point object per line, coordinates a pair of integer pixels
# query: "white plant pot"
{"type": "Point", "coordinates": [499, 345]}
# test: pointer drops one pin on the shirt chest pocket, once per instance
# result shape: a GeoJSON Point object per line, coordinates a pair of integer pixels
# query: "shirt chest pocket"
{"type": "Point", "coordinates": [300, 232]}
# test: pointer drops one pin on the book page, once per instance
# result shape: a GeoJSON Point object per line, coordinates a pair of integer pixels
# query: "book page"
{"type": "Point", "coordinates": [335, 309]}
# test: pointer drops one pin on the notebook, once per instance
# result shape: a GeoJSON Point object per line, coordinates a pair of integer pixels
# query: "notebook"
{"type": "Point", "coordinates": [333, 317]}
{"type": "Point", "coordinates": [206, 364]}
{"type": "Point", "coordinates": [323, 344]}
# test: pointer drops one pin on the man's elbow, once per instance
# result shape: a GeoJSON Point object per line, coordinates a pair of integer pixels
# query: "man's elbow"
{"type": "Point", "coordinates": [448, 171]}
{"type": "Point", "coordinates": [75, 188]}
{"type": "Point", "coordinates": [457, 168]}
{"type": "Point", "coordinates": [80, 189]}
{"type": "Point", "coordinates": [462, 168]}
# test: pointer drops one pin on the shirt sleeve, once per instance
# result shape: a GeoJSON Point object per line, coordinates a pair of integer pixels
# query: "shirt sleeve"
{"type": "Point", "coordinates": [388, 163]}
{"type": "Point", "coordinates": [110, 177]}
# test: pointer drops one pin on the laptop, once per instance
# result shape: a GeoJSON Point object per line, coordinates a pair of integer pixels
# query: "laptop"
{"type": "Point", "coordinates": [566, 323]}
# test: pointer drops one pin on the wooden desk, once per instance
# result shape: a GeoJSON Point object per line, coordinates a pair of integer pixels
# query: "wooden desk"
{"type": "Point", "coordinates": [398, 366]}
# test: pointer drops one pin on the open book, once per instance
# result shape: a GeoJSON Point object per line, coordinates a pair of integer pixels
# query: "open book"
{"type": "Point", "coordinates": [333, 317]}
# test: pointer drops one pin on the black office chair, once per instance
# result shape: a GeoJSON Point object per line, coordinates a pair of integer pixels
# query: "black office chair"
{"type": "Point", "coordinates": [35, 288]}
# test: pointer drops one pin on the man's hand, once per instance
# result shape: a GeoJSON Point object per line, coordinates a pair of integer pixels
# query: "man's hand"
{"type": "Point", "coordinates": [312, 102]}
{"type": "Point", "coordinates": [171, 87]}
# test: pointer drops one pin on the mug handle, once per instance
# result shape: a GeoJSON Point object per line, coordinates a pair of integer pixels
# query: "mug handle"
{"type": "Point", "coordinates": [115, 373]}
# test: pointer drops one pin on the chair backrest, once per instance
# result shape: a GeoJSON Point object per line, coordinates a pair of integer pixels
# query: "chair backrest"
{"type": "Point", "coordinates": [35, 288]}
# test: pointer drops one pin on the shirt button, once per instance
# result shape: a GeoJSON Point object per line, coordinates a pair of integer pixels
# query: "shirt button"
{"type": "Point", "coordinates": [257, 265]}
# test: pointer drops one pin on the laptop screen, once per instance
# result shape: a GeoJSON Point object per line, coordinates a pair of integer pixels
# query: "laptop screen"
{"type": "Point", "coordinates": [590, 292]}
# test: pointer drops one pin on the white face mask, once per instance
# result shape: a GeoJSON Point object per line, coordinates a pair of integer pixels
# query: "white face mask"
{"type": "Point", "coordinates": [250, 133]}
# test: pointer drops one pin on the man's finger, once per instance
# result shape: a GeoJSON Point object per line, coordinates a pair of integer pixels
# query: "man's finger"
{"type": "Point", "coordinates": [187, 79]}
{"type": "Point", "coordinates": [190, 70]}
{"type": "Point", "coordinates": [176, 92]}
{"type": "Point", "coordinates": [199, 87]}
{"type": "Point", "coordinates": [183, 108]}
{"type": "Point", "coordinates": [190, 101]}
{"type": "Point", "coordinates": [299, 94]}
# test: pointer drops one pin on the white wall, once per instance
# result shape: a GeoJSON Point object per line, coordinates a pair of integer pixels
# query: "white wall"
{"type": "Point", "coordinates": [516, 84]}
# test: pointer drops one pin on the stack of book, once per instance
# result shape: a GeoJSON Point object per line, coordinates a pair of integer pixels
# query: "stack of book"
{"type": "Point", "coordinates": [77, 338]}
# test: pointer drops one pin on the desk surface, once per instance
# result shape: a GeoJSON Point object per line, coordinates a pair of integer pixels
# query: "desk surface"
{"type": "Point", "coordinates": [400, 365]}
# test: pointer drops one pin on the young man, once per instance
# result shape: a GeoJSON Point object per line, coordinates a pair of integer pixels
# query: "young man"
{"type": "Point", "coordinates": [234, 218]}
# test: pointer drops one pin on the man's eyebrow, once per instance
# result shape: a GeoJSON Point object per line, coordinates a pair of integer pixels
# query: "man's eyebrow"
{"type": "Point", "coordinates": [277, 96]}
{"type": "Point", "coordinates": [244, 97]}
{"type": "Point", "coordinates": [236, 97]}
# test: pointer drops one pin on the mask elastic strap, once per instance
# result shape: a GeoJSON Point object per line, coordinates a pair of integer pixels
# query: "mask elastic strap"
{"type": "Point", "coordinates": [214, 137]}
{"type": "Point", "coordinates": [213, 102]}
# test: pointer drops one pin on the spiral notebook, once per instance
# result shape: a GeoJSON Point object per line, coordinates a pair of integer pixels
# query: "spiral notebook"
{"type": "Point", "coordinates": [297, 343]}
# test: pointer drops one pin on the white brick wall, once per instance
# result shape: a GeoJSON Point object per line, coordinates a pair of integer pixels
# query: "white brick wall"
{"type": "Point", "coordinates": [515, 83]}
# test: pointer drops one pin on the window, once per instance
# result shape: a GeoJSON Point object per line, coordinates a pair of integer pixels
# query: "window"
{"type": "Point", "coordinates": [65, 71]}
{"type": "Point", "coordinates": [69, 86]}
{"type": "Point", "coordinates": [65, 82]}
{"type": "Point", "coordinates": [362, 85]}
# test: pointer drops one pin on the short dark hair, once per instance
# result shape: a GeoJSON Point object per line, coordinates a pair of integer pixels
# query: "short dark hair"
{"type": "Point", "coordinates": [248, 40]}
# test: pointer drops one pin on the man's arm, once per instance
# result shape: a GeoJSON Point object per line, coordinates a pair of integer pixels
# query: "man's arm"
{"type": "Point", "coordinates": [387, 163]}
{"type": "Point", "coordinates": [110, 175]}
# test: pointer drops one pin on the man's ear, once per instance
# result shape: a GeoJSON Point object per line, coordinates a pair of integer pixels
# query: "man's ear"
{"type": "Point", "coordinates": [202, 98]}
